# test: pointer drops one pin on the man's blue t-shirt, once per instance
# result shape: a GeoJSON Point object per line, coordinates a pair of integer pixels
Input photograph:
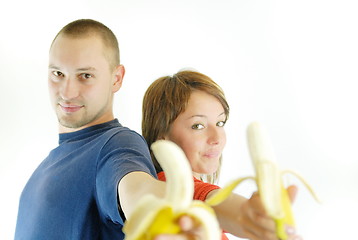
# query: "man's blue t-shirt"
{"type": "Point", "coordinates": [73, 192]}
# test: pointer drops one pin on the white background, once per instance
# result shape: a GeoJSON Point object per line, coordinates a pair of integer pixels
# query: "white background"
{"type": "Point", "coordinates": [289, 64]}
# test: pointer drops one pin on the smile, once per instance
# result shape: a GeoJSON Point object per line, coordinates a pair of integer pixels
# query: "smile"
{"type": "Point", "coordinates": [214, 154]}
{"type": "Point", "coordinates": [69, 108]}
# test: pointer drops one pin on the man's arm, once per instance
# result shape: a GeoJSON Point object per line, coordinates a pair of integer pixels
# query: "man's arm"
{"type": "Point", "coordinates": [135, 185]}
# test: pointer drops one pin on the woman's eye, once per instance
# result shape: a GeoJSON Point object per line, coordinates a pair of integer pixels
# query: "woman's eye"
{"type": "Point", "coordinates": [86, 75]}
{"type": "Point", "coordinates": [197, 126]}
{"type": "Point", "coordinates": [57, 73]}
{"type": "Point", "coordinates": [221, 124]}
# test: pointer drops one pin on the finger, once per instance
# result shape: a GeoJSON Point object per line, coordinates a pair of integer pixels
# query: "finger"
{"type": "Point", "coordinates": [256, 203]}
{"type": "Point", "coordinates": [186, 223]}
{"type": "Point", "coordinates": [191, 229]}
{"type": "Point", "coordinates": [264, 228]}
{"type": "Point", "coordinates": [258, 216]}
{"type": "Point", "coordinates": [292, 192]}
{"type": "Point", "coordinates": [253, 232]}
{"type": "Point", "coordinates": [171, 237]}
{"type": "Point", "coordinates": [253, 236]}
{"type": "Point", "coordinates": [294, 237]}
{"type": "Point", "coordinates": [290, 230]}
{"type": "Point", "coordinates": [291, 233]}
{"type": "Point", "coordinates": [182, 236]}
{"type": "Point", "coordinates": [257, 226]}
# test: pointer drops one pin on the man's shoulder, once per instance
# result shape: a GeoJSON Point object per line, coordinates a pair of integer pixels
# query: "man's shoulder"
{"type": "Point", "coordinates": [123, 137]}
{"type": "Point", "coordinates": [123, 132]}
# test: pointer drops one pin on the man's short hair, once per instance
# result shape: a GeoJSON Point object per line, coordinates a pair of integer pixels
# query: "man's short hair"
{"type": "Point", "coordinates": [87, 27]}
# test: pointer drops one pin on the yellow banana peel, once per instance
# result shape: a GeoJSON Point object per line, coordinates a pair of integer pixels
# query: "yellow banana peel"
{"type": "Point", "coordinates": [153, 215]}
{"type": "Point", "coordinates": [268, 179]}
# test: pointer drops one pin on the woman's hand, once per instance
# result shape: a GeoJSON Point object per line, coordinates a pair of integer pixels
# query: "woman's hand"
{"type": "Point", "coordinates": [247, 218]}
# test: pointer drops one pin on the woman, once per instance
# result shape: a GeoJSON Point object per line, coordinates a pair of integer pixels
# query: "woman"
{"type": "Point", "coordinates": [190, 109]}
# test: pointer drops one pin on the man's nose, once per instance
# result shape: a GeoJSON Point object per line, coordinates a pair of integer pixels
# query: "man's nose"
{"type": "Point", "coordinates": [69, 89]}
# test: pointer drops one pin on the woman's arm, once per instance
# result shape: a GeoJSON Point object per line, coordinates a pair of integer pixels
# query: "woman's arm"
{"type": "Point", "coordinates": [247, 218]}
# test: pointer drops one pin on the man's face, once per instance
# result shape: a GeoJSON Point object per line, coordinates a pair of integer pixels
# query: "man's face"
{"type": "Point", "coordinates": [81, 82]}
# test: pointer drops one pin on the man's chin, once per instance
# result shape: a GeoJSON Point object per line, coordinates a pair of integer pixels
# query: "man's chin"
{"type": "Point", "coordinates": [71, 123]}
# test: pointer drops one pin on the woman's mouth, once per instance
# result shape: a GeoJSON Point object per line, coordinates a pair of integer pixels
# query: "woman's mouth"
{"type": "Point", "coordinates": [212, 154]}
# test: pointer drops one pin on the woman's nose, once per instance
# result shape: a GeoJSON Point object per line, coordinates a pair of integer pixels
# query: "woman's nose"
{"type": "Point", "coordinates": [215, 135]}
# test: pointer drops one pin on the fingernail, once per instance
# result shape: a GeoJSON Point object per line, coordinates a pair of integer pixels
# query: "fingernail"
{"type": "Point", "coordinates": [290, 230]}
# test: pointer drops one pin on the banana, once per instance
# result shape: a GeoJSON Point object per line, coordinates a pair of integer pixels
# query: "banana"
{"type": "Point", "coordinates": [153, 215]}
{"type": "Point", "coordinates": [268, 179]}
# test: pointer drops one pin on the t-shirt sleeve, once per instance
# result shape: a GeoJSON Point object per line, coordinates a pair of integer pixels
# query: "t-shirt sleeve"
{"type": "Point", "coordinates": [201, 189]}
{"type": "Point", "coordinates": [125, 152]}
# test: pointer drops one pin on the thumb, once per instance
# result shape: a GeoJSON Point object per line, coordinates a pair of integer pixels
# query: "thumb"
{"type": "Point", "coordinates": [292, 192]}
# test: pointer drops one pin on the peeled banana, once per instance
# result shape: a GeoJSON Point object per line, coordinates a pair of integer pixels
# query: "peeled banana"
{"type": "Point", "coordinates": [153, 215]}
{"type": "Point", "coordinates": [268, 178]}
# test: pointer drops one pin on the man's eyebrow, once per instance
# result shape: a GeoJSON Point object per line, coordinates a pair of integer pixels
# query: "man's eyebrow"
{"type": "Point", "coordinates": [86, 69]}
{"type": "Point", "coordinates": [51, 66]}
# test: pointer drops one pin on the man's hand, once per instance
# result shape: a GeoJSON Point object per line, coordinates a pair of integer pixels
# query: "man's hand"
{"type": "Point", "coordinates": [190, 231]}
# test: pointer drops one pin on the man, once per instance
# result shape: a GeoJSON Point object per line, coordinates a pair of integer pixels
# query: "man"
{"type": "Point", "coordinates": [89, 184]}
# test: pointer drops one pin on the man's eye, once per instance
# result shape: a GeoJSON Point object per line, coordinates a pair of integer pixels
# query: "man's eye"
{"type": "Point", "coordinates": [197, 126]}
{"type": "Point", "coordinates": [221, 124]}
{"type": "Point", "coordinates": [57, 73]}
{"type": "Point", "coordinates": [86, 75]}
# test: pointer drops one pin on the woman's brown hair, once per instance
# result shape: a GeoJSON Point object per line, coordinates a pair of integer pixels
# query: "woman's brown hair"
{"type": "Point", "coordinates": [167, 97]}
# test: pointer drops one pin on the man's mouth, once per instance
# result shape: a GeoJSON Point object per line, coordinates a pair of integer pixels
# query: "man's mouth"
{"type": "Point", "coordinates": [70, 108]}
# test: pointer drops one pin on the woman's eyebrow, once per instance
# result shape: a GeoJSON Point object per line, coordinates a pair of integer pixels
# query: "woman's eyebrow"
{"type": "Point", "coordinates": [197, 115]}
{"type": "Point", "coordinates": [51, 66]}
{"type": "Point", "coordinates": [204, 116]}
{"type": "Point", "coordinates": [223, 113]}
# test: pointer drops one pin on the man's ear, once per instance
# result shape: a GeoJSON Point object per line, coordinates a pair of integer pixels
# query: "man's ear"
{"type": "Point", "coordinates": [118, 77]}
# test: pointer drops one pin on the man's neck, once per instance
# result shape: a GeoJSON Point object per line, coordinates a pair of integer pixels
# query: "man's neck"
{"type": "Point", "coordinates": [64, 129]}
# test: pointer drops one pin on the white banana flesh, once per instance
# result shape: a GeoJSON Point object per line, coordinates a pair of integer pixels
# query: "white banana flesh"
{"type": "Point", "coordinates": [154, 215]}
{"type": "Point", "coordinates": [268, 176]}
{"type": "Point", "coordinates": [180, 185]}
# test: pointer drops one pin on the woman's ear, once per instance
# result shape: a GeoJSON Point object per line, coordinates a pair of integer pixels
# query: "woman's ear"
{"type": "Point", "coordinates": [163, 138]}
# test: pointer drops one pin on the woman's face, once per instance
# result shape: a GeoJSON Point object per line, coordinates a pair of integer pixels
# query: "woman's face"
{"type": "Point", "coordinates": [199, 131]}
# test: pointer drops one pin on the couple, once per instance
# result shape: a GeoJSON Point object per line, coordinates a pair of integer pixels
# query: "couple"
{"type": "Point", "coordinates": [90, 183]}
